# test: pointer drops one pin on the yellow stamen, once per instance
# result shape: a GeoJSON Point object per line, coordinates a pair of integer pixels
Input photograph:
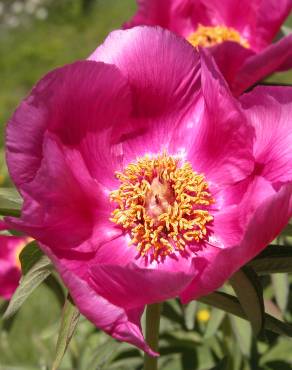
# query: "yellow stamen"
{"type": "Point", "coordinates": [162, 205]}
{"type": "Point", "coordinates": [209, 36]}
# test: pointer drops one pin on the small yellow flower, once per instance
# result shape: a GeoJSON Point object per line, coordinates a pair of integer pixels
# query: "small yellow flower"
{"type": "Point", "coordinates": [203, 315]}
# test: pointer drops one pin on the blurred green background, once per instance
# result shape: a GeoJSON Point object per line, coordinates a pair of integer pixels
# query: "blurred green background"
{"type": "Point", "coordinates": [35, 37]}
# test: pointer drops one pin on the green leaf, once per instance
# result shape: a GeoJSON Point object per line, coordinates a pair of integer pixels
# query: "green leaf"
{"type": "Point", "coordinates": [10, 202]}
{"type": "Point", "coordinates": [281, 288]}
{"type": "Point", "coordinates": [273, 259]}
{"type": "Point", "coordinates": [214, 323]}
{"type": "Point", "coordinates": [231, 305]}
{"type": "Point", "coordinates": [70, 316]}
{"type": "Point", "coordinates": [250, 295]}
{"type": "Point", "coordinates": [242, 333]}
{"type": "Point", "coordinates": [222, 365]}
{"type": "Point", "coordinates": [30, 254]}
{"type": "Point", "coordinates": [189, 314]}
{"type": "Point", "coordinates": [182, 338]}
{"type": "Point", "coordinates": [28, 283]}
{"type": "Point", "coordinates": [172, 310]}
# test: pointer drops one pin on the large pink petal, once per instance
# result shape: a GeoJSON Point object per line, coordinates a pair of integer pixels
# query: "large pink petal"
{"type": "Point", "coordinates": [127, 280]}
{"type": "Point", "coordinates": [161, 68]}
{"type": "Point", "coordinates": [269, 109]}
{"type": "Point", "coordinates": [118, 322]}
{"type": "Point", "coordinates": [163, 73]}
{"type": "Point", "coordinates": [276, 57]}
{"type": "Point", "coordinates": [270, 16]}
{"type": "Point", "coordinates": [240, 233]}
{"type": "Point", "coordinates": [3, 226]}
{"type": "Point", "coordinates": [73, 102]}
{"type": "Point", "coordinates": [64, 207]}
{"type": "Point", "coordinates": [179, 16]}
{"type": "Point", "coordinates": [222, 139]}
{"type": "Point", "coordinates": [229, 57]}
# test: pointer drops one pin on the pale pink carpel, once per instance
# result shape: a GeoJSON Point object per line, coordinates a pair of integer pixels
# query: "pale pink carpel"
{"type": "Point", "coordinates": [257, 21]}
{"type": "Point", "coordinates": [143, 91]}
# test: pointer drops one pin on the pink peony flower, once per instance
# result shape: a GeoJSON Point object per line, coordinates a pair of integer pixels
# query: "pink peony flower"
{"type": "Point", "coordinates": [248, 27]}
{"type": "Point", "coordinates": [10, 269]}
{"type": "Point", "coordinates": [144, 179]}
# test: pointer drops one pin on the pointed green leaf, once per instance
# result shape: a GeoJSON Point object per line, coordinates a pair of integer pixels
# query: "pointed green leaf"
{"type": "Point", "coordinates": [231, 305]}
{"type": "Point", "coordinates": [222, 365]}
{"type": "Point", "coordinates": [250, 295]}
{"type": "Point", "coordinates": [281, 288]}
{"type": "Point", "coordinates": [30, 254]}
{"type": "Point", "coordinates": [214, 323]}
{"type": "Point", "coordinates": [189, 314]}
{"type": "Point", "coordinates": [273, 259]}
{"type": "Point", "coordinates": [70, 316]}
{"type": "Point", "coordinates": [10, 202]}
{"type": "Point", "coordinates": [28, 283]}
{"type": "Point", "coordinates": [242, 332]}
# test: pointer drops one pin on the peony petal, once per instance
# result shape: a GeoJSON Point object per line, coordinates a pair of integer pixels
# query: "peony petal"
{"type": "Point", "coordinates": [275, 58]}
{"type": "Point", "coordinates": [163, 73]}
{"type": "Point", "coordinates": [118, 273]}
{"type": "Point", "coordinates": [222, 141]}
{"type": "Point", "coordinates": [162, 69]}
{"type": "Point", "coordinates": [10, 247]}
{"type": "Point", "coordinates": [269, 109]}
{"type": "Point", "coordinates": [73, 102]}
{"type": "Point", "coordinates": [229, 57]}
{"type": "Point", "coordinates": [74, 213]}
{"type": "Point", "coordinates": [179, 16]}
{"type": "Point", "coordinates": [3, 226]}
{"type": "Point", "coordinates": [121, 324]}
{"type": "Point", "coordinates": [270, 16]}
{"type": "Point", "coordinates": [240, 233]}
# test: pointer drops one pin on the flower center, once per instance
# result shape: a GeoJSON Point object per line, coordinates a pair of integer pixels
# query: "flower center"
{"type": "Point", "coordinates": [163, 205]}
{"type": "Point", "coordinates": [210, 36]}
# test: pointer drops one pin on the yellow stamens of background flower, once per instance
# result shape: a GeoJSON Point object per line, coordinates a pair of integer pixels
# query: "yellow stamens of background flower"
{"type": "Point", "coordinates": [164, 206]}
{"type": "Point", "coordinates": [210, 36]}
{"type": "Point", "coordinates": [203, 315]}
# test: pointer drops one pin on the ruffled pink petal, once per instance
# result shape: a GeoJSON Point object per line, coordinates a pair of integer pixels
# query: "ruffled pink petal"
{"type": "Point", "coordinates": [119, 273]}
{"type": "Point", "coordinates": [9, 264]}
{"type": "Point", "coordinates": [118, 322]}
{"type": "Point", "coordinates": [269, 109]}
{"type": "Point", "coordinates": [3, 226]}
{"type": "Point", "coordinates": [73, 102]}
{"type": "Point", "coordinates": [65, 207]}
{"type": "Point", "coordinates": [161, 68]}
{"type": "Point", "coordinates": [179, 16]}
{"type": "Point", "coordinates": [184, 16]}
{"type": "Point", "coordinates": [275, 58]}
{"type": "Point", "coordinates": [163, 73]}
{"type": "Point", "coordinates": [229, 57]}
{"type": "Point", "coordinates": [240, 233]}
{"type": "Point", "coordinates": [222, 139]}
{"type": "Point", "coordinates": [271, 15]}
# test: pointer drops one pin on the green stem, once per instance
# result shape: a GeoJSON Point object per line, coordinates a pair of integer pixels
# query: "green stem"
{"type": "Point", "coordinates": [152, 334]}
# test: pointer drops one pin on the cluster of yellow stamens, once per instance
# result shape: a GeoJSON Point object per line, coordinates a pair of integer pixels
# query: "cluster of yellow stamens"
{"type": "Point", "coordinates": [209, 36]}
{"type": "Point", "coordinates": [163, 205]}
